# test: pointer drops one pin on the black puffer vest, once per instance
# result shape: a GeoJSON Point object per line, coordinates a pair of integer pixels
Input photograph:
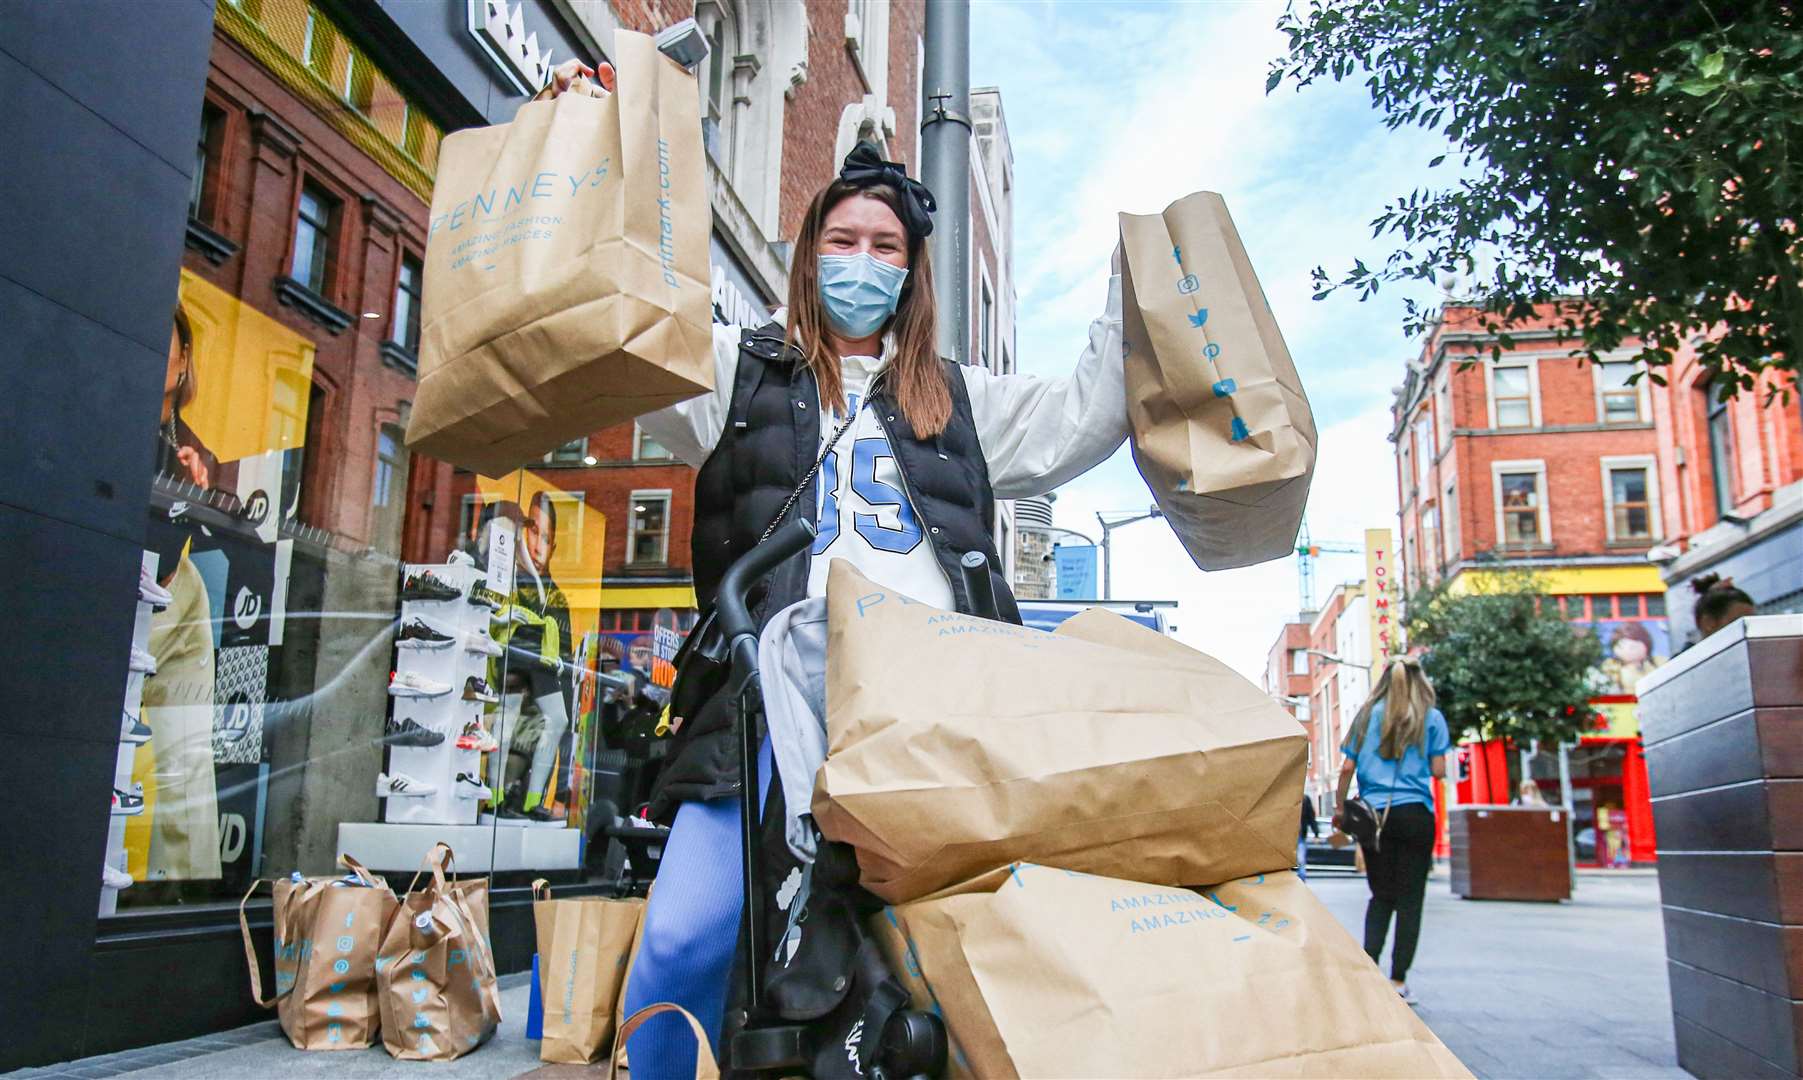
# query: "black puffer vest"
{"type": "Point", "coordinates": [771, 440]}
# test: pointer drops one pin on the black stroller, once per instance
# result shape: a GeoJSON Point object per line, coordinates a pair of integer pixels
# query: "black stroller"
{"type": "Point", "coordinates": [831, 1008]}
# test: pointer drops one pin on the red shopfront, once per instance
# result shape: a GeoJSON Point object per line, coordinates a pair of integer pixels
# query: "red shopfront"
{"type": "Point", "coordinates": [1612, 813]}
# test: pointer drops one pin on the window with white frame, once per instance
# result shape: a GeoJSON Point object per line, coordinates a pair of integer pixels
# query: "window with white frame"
{"type": "Point", "coordinates": [985, 323]}
{"type": "Point", "coordinates": [1449, 503]}
{"type": "Point", "coordinates": [1430, 541]}
{"type": "Point", "coordinates": [715, 18]}
{"type": "Point", "coordinates": [1521, 518]}
{"type": "Point", "coordinates": [1298, 662]}
{"type": "Point", "coordinates": [1630, 499]}
{"type": "Point", "coordinates": [1618, 399]}
{"type": "Point", "coordinates": [574, 452]}
{"type": "Point", "coordinates": [1512, 395]}
{"type": "Point", "coordinates": [1443, 407]}
{"type": "Point", "coordinates": [648, 528]}
{"type": "Point", "coordinates": [1424, 450]}
{"type": "Point", "coordinates": [646, 448]}
{"type": "Point", "coordinates": [867, 36]}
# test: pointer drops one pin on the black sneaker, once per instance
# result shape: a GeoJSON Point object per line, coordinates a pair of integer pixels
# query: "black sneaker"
{"type": "Point", "coordinates": [409, 733]}
{"type": "Point", "coordinates": [476, 689]}
{"type": "Point", "coordinates": [483, 596]}
{"type": "Point", "coordinates": [419, 634]}
{"type": "Point", "coordinates": [423, 586]}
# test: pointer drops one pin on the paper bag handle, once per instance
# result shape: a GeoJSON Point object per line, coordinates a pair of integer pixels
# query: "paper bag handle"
{"type": "Point", "coordinates": [436, 864]}
{"type": "Point", "coordinates": [349, 862]}
{"type": "Point", "coordinates": [250, 951]}
{"type": "Point", "coordinates": [705, 1069]}
{"type": "Point", "coordinates": [541, 889]}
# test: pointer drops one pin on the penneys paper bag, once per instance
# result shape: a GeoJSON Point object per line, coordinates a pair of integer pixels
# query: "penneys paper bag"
{"type": "Point", "coordinates": [583, 948]}
{"type": "Point", "coordinates": [1222, 432]}
{"type": "Point", "coordinates": [1104, 747]}
{"type": "Point", "coordinates": [327, 931]}
{"type": "Point", "coordinates": [435, 976]}
{"type": "Point", "coordinates": [1049, 973]}
{"type": "Point", "coordinates": [566, 277]}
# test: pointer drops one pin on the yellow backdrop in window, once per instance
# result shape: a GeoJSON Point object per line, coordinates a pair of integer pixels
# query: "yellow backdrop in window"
{"type": "Point", "coordinates": [253, 375]}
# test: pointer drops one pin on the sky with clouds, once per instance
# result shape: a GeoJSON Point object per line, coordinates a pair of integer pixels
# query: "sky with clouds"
{"type": "Point", "coordinates": [1127, 107]}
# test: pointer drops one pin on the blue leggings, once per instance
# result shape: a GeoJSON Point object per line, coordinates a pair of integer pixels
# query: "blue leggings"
{"type": "Point", "coordinates": [691, 930]}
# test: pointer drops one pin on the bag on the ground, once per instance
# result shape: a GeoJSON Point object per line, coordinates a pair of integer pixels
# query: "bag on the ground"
{"type": "Point", "coordinates": [1222, 432]}
{"type": "Point", "coordinates": [1050, 973]}
{"type": "Point", "coordinates": [435, 975]}
{"type": "Point", "coordinates": [632, 956]}
{"type": "Point", "coordinates": [583, 948]}
{"type": "Point", "coordinates": [566, 277]}
{"type": "Point", "coordinates": [1103, 747]}
{"type": "Point", "coordinates": [705, 1068]}
{"type": "Point", "coordinates": [327, 931]}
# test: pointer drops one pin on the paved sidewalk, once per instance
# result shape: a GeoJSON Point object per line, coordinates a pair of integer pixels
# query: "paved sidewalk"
{"type": "Point", "coordinates": [1576, 989]}
{"type": "Point", "coordinates": [1516, 990]}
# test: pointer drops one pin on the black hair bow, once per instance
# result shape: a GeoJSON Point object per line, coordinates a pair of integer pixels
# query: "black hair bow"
{"type": "Point", "coordinates": [865, 167]}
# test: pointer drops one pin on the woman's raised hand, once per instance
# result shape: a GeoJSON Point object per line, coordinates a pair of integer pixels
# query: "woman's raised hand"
{"type": "Point", "coordinates": [576, 77]}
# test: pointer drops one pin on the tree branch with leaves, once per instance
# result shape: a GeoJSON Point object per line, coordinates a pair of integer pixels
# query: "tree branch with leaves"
{"type": "Point", "coordinates": [1630, 166]}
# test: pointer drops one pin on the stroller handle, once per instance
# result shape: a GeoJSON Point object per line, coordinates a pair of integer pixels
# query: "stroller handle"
{"type": "Point", "coordinates": [735, 617]}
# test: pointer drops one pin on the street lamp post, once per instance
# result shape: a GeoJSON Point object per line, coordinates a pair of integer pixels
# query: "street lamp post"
{"type": "Point", "coordinates": [1108, 527]}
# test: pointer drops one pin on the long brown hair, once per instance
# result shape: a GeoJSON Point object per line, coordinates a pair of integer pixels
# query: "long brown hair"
{"type": "Point", "coordinates": [1407, 696]}
{"type": "Point", "coordinates": [915, 375]}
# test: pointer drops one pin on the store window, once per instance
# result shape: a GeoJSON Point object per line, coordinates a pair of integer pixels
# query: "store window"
{"type": "Point", "coordinates": [315, 221]}
{"type": "Point", "coordinates": [1619, 398]}
{"type": "Point", "coordinates": [404, 326]}
{"type": "Point", "coordinates": [648, 529]}
{"type": "Point", "coordinates": [1512, 393]}
{"type": "Point", "coordinates": [335, 636]}
{"type": "Point", "coordinates": [1655, 605]}
{"type": "Point", "coordinates": [646, 448]}
{"type": "Point", "coordinates": [1630, 503]}
{"type": "Point", "coordinates": [1520, 506]}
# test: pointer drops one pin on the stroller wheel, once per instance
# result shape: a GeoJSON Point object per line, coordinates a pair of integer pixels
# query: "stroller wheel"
{"type": "Point", "coordinates": [769, 1048]}
{"type": "Point", "coordinates": [914, 1044]}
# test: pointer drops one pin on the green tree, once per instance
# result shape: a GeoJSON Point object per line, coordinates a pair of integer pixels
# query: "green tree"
{"type": "Point", "coordinates": [1630, 164]}
{"type": "Point", "coordinates": [1504, 661]}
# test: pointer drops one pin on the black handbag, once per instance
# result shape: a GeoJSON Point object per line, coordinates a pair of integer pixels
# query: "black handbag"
{"type": "Point", "coordinates": [1363, 824]}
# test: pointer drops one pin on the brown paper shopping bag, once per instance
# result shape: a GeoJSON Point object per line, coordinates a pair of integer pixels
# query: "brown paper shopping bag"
{"type": "Point", "coordinates": [327, 932]}
{"type": "Point", "coordinates": [1050, 973]}
{"type": "Point", "coordinates": [435, 976]}
{"type": "Point", "coordinates": [566, 278]}
{"type": "Point", "coordinates": [1104, 747]}
{"type": "Point", "coordinates": [583, 947]}
{"type": "Point", "coordinates": [632, 956]}
{"type": "Point", "coordinates": [1222, 432]}
{"type": "Point", "coordinates": [705, 1068]}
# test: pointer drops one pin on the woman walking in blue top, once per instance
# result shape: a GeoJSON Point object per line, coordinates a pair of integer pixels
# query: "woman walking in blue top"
{"type": "Point", "coordinates": [1397, 747]}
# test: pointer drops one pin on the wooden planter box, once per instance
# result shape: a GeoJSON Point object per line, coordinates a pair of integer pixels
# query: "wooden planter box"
{"type": "Point", "coordinates": [1509, 853]}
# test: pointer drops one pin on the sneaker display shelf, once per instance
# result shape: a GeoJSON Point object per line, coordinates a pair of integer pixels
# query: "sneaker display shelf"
{"type": "Point", "coordinates": [410, 825]}
{"type": "Point", "coordinates": [123, 765]}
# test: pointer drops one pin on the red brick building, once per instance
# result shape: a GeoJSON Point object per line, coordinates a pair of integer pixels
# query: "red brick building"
{"type": "Point", "coordinates": [1732, 474]}
{"type": "Point", "coordinates": [1548, 464]}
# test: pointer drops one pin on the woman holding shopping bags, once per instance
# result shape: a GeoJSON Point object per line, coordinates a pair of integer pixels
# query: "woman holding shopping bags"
{"type": "Point", "coordinates": [1397, 748]}
{"type": "Point", "coordinates": [842, 411]}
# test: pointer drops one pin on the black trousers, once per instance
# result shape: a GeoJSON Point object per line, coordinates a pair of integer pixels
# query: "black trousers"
{"type": "Point", "coordinates": [1397, 875]}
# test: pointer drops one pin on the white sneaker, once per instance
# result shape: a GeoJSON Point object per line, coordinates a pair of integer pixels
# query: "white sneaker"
{"type": "Point", "coordinates": [468, 787]}
{"type": "Point", "coordinates": [1408, 996]}
{"type": "Point", "coordinates": [461, 558]}
{"type": "Point", "coordinates": [402, 786]}
{"type": "Point", "coordinates": [112, 878]}
{"type": "Point", "coordinates": [143, 661]}
{"type": "Point", "coordinates": [482, 645]}
{"type": "Point", "coordinates": [413, 684]}
{"type": "Point", "coordinates": [152, 593]}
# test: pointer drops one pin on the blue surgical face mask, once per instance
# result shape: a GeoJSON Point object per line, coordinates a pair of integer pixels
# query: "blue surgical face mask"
{"type": "Point", "coordinates": [860, 292]}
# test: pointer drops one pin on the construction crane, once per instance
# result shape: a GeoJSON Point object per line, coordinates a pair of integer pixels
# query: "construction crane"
{"type": "Point", "coordinates": [1306, 553]}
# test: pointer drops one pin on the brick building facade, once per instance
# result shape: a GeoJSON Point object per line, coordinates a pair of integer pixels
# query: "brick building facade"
{"type": "Point", "coordinates": [1732, 474]}
{"type": "Point", "coordinates": [1546, 463]}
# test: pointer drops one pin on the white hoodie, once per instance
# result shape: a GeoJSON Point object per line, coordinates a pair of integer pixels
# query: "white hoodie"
{"type": "Point", "coordinates": [1037, 433]}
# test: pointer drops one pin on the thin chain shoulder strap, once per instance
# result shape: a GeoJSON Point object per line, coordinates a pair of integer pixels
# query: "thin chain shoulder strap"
{"type": "Point", "coordinates": [789, 503]}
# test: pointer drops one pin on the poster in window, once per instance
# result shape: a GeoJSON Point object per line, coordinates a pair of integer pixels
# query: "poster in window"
{"type": "Point", "coordinates": [229, 439]}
